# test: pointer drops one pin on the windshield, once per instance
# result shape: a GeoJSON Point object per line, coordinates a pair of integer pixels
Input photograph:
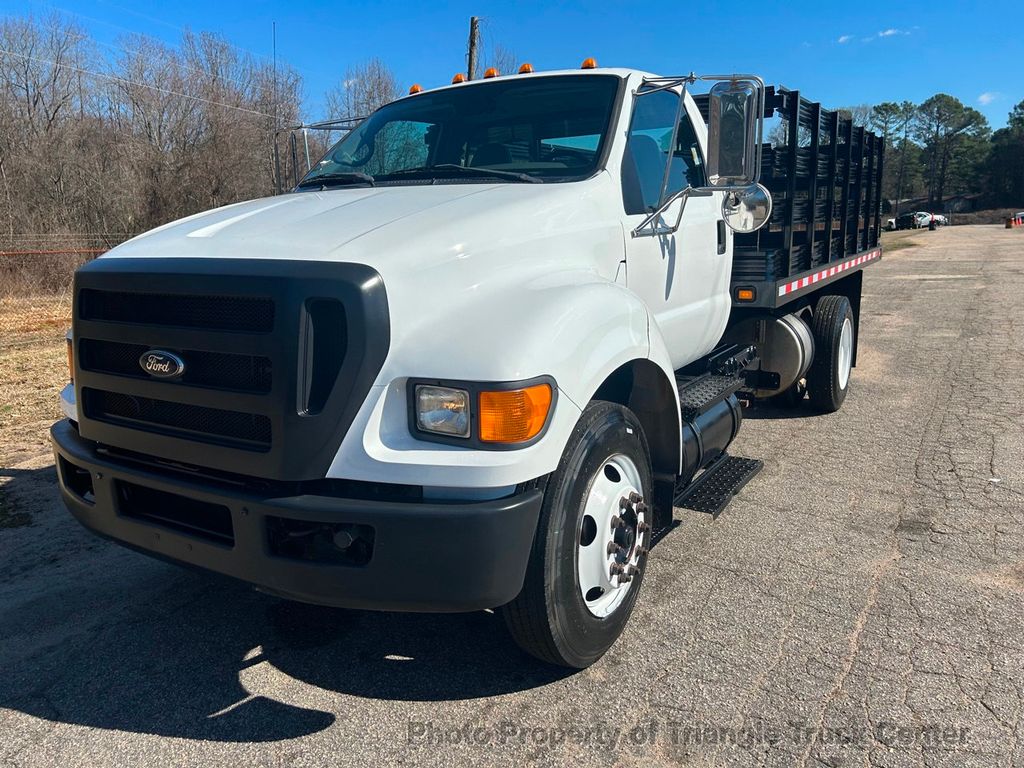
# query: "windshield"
{"type": "Point", "coordinates": [529, 129]}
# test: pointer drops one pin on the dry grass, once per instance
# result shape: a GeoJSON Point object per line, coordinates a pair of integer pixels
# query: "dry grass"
{"type": "Point", "coordinates": [902, 238]}
{"type": "Point", "coordinates": [992, 216]}
{"type": "Point", "coordinates": [33, 369]}
{"type": "Point", "coordinates": [38, 274]}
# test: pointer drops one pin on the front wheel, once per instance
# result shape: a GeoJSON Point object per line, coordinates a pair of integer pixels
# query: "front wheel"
{"type": "Point", "coordinates": [589, 553]}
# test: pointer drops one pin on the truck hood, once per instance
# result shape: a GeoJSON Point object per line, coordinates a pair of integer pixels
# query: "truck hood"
{"type": "Point", "coordinates": [504, 255]}
{"type": "Point", "coordinates": [459, 235]}
{"type": "Point", "coordinates": [317, 225]}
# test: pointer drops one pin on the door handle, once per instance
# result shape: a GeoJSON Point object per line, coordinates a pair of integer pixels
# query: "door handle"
{"type": "Point", "coordinates": [721, 236]}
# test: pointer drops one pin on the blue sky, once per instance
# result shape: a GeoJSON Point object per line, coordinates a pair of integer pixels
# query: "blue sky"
{"type": "Point", "coordinates": [838, 53]}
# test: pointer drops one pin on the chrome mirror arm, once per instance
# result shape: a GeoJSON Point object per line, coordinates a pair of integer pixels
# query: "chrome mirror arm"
{"type": "Point", "coordinates": [646, 227]}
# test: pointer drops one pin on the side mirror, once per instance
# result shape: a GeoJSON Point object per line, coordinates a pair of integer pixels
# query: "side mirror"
{"type": "Point", "coordinates": [734, 108]}
{"type": "Point", "coordinates": [747, 210]}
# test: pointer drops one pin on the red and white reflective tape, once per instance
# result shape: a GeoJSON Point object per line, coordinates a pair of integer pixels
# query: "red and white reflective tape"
{"type": "Point", "coordinates": [824, 274]}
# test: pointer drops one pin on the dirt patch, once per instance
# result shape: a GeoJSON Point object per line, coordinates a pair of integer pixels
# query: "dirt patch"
{"type": "Point", "coordinates": [1010, 578]}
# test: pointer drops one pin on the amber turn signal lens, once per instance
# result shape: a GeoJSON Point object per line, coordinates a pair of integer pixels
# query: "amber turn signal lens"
{"type": "Point", "coordinates": [590, 63]}
{"type": "Point", "coordinates": [744, 294]}
{"type": "Point", "coordinates": [491, 72]}
{"type": "Point", "coordinates": [514, 416]}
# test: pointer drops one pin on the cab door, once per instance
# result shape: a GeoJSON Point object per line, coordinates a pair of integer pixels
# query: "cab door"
{"type": "Point", "coordinates": [683, 277]}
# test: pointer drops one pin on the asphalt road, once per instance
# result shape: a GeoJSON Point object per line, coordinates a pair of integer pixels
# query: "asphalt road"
{"type": "Point", "coordinates": [860, 603]}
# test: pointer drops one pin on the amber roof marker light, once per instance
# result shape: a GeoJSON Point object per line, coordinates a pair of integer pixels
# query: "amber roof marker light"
{"type": "Point", "coordinates": [491, 72]}
{"type": "Point", "coordinates": [458, 78]}
{"type": "Point", "coordinates": [415, 88]}
{"type": "Point", "coordinates": [525, 69]}
{"type": "Point", "coordinates": [589, 63]}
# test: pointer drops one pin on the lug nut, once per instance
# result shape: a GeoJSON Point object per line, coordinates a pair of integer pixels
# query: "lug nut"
{"type": "Point", "coordinates": [634, 497]}
{"type": "Point", "coordinates": [643, 526]}
{"type": "Point", "coordinates": [624, 579]}
{"type": "Point", "coordinates": [616, 568]}
{"type": "Point", "coordinates": [632, 570]}
{"type": "Point", "coordinates": [642, 507]}
{"type": "Point", "coordinates": [613, 548]}
{"type": "Point", "coordinates": [617, 522]}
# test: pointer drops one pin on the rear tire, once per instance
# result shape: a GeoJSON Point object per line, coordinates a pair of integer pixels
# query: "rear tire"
{"type": "Point", "coordinates": [571, 609]}
{"type": "Point", "coordinates": [828, 381]}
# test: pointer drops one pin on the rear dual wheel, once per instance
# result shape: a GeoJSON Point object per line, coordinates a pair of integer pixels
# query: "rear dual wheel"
{"type": "Point", "coordinates": [589, 553]}
{"type": "Point", "coordinates": [828, 381]}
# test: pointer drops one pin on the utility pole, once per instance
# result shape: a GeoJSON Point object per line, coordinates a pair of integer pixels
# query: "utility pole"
{"type": "Point", "coordinates": [474, 42]}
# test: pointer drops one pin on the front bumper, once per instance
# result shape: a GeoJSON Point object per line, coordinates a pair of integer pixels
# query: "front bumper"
{"type": "Point", "coordinates": [432, 557]}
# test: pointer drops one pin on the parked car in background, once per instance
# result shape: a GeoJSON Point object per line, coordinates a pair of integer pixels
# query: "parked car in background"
{"type": "Point", "coordinates": [940, 220]}
{"type": "Point", "coordinates": [923, 219]}
{"type": "Point", "coordinates": [907, 221]}
{"type": "Point", "coordinates": [890, 225]}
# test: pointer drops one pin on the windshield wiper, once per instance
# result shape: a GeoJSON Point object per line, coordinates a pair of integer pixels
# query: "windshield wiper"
{"type": "Point", "coordinates": [493, 173]}
{"type": "Point", "coordinates": [332, 179]}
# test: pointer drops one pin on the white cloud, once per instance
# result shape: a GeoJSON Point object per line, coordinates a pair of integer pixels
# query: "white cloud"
{"type": "Point", "coordinates": [892, 31]}
{"type": "Point", "coordinates": [843, 39]}
{"type": "Point", "coordinates": [987, 98]}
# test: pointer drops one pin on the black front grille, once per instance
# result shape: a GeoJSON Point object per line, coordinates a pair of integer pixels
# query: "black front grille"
{"type": "Point", "coordinates": [232, 428]}
{"type": "Point", "coordinates": [242, 373]}
{"type": "Point", "coordinates": [215, 313]}
{"type": "Point", "coordinates": [179, 513]}
{"type": "Point", "coordinates": [278, 358]}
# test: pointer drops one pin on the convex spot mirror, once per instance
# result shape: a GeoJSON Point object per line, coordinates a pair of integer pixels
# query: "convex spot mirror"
{"type": "Point", "coordinates": [746, 210]}
{"type": "Point", "coordinates": [733, 113]}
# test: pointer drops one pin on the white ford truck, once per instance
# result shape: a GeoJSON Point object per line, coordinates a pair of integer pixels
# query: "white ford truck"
{"type": "Point", "coordinates": [480, 351]}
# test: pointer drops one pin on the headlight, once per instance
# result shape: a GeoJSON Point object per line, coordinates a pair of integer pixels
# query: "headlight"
{"type": "Point", "coordinates": [442, 410]}
{"type": "Point", "coordinates": [478, 414]}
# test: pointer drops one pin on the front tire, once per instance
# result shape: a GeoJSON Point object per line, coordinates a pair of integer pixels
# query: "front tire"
{"type": "Point", "coordinates": [590, 550]}
{"type": "Point", "coordinates": [828, 381]}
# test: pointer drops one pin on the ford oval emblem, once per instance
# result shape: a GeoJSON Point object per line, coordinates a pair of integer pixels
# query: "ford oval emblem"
{"type": "Point", "coordinates": [161, 364]}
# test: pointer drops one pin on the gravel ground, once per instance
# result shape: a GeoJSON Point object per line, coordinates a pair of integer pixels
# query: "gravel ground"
{"type": "Point", "coordinates": [859, 603]}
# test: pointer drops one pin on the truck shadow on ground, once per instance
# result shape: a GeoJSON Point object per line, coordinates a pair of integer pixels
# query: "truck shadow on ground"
{"type": "Point", "coordinates": [137, 645]}
{"type": "Point", "coordinates": [767, 411]}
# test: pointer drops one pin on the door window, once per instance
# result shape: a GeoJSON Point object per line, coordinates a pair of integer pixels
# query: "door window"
{"type": "Point", "coordinates": [647, 153]}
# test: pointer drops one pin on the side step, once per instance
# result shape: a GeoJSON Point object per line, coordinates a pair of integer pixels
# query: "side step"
{"type": "Point", "coordinates": [698, 393]}
{"type": "Point", "coordinates": [725, 373]}
{"type": "Point", "coordinates": [714, 488]}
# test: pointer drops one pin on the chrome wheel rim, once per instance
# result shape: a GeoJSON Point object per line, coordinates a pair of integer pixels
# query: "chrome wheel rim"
{"type": "Point", "coordinates": [845, 353]}
{"type": "Point", "coordinates": [613, 535]}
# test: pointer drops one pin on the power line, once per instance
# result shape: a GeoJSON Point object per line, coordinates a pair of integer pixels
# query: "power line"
{"type": "Point", "coordinates": [139, 51]}
{"type": "Point", "coordinates": [126, 81]}
{"type": "Point", "coordinates": [170, 25]}
{"type": "Point", "coordinates": [112, 25]}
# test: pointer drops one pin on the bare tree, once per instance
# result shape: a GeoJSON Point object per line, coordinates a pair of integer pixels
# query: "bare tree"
{"type": "Point", "coordinates": [502, 59]}
{"type": "Point", "coordinates": [364, 88]}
